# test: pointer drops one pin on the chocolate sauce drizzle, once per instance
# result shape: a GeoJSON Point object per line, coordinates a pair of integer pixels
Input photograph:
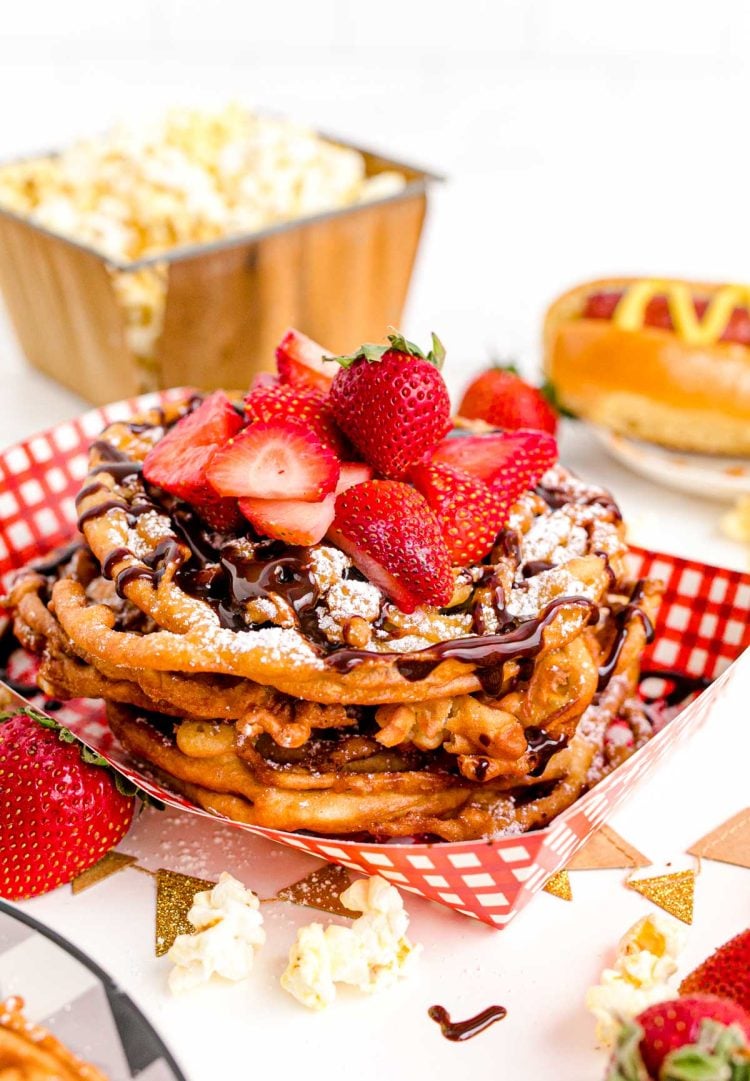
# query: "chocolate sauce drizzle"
{"type": "Point", "coordinates": [543, 746]}
{"type": "Point", "coordinates": [484, 652]}
{"type": "Point", "coordinates": [556, 497]}
{"type": "Point", "coordinates": [621, 619]}
{"type": "Point", "coordinates": [458, 1031]}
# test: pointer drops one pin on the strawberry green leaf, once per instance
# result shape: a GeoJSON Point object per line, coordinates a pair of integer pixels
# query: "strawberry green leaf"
{"type": "Point", "coordinates": [368, 351]}
{"type": "Point", "coordinates": [375, 353]}
{"type": "Point", "coordinates": [549, 391]}
{"type": "Point", "coordinates": [29, 711]}
{"type": "Point", "coordinates": [506, 366]}
{"type": "Point", "coordinates": [91, 758]}
{"type": "Point", "coordinates": [627, 1064]}
{"type": "Point", "coordinates": [436, 355]}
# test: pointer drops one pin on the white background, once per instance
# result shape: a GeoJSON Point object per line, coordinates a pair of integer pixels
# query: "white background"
{"type": "Point", "coordinates": [580, 138]}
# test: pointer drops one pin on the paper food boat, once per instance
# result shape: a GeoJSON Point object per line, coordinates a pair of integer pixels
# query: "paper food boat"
{"type": "Point", "coordinates": [703, 627]}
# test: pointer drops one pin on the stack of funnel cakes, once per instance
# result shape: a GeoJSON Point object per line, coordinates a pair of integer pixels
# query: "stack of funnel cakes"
{"type": "Point", "coordinates": [382, 659]}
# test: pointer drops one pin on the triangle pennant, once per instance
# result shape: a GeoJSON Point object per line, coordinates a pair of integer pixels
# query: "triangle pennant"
{"type": "Point", "coordinates": [108, 865]}
{"type": "Point", "coordinates": [559, 886]}
{"type": "Point", "coordinates": [320, 889]}
{"type": "Point", "coordinates": [674, 893]}
{"type": "Point", "coordinates": [606, 849]}
{"type": "Point", "coordinates": [174, 899]}
{"type": "Point", "coordinates": [728, 843]}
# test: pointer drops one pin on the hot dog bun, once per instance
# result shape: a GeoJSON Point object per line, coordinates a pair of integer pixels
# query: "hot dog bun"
{"type": "Point", "coordinates": [682, 387]}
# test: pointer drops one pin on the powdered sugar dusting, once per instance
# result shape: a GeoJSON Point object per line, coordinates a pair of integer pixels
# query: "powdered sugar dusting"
{"type": "Point", "coordinates": [280, 645]}
{"type": "Point", "coordinates": [527, 601]}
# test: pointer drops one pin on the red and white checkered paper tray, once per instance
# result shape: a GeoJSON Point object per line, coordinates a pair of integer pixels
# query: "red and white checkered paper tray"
{"type": "Point", "coordinates": [703, 627]}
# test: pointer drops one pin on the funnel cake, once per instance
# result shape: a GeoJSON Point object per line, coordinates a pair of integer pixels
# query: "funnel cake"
{"type": "Point", "coordinates": [279, 684]}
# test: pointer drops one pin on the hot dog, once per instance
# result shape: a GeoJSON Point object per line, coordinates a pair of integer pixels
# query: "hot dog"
{"type": "Point", "coordinates": [660, 359]}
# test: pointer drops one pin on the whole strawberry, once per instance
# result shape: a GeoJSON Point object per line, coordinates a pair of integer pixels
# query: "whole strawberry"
{"type": "Point", "coordinates": [501, 398]}
{"type": "Point", "coordinates": [703, 1038]}
{"type": "Point", "coordinates": [60, 809]}
{"type": "Point", "coordinates": [393, 403]}
{"type": "Point", "coordinates": [471, 514]}
{"type": "Point", "coordinates": [394, 539]}
{"type": "Point", "coordinates": [725, 973]}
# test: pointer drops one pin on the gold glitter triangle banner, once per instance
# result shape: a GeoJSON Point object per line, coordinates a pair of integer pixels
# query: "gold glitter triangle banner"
{"type": "Point", "coordinates": [174, 899]}
{"type": "Point", "coordinates": [728, 843]}
{"type": "Point", "coordinates": [107, 865]}
{"type": "Point", "coordinates": [606, 849]}
{"type": "Point", "coordinates": [559, 886]}
{"type": "Point", "coordinates": [674, 893]}
{"type": "Point", "coordinates": [320, 889]}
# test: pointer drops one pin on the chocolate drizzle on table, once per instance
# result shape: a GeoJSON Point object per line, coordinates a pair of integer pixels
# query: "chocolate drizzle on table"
{"type": "Point", "coordinates": [458, 1031]}
{"type": "Point", "coordinates": [229, 571]}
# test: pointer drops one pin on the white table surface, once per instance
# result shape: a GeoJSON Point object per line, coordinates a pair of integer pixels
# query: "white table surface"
{"type": "Point", "coordinates": [539, 967]}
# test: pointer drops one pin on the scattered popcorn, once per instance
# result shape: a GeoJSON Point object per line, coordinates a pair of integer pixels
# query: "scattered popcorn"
{"type": "Point", "coordinates": [229, 929]}
{"type": "Point", "coordinates": [371, 954]}
{"type": "Point", "coordinates": [189, 178]}
{"type": "Point", "coordinates": [640, 976]}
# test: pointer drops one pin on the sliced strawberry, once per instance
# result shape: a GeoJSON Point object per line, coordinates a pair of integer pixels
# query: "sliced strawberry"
{"type": "Point", "coordinates": [300, 362]}
{"type": "Point", "coordinates": [305, 404]}
{"type": "Point", "coordinates": [471, 514]}
{"type": "Point", "coordinates": [394, 539]}
{"type": "Point", "coordinates": [221, 514]}
{"type": "Point", "coordinates": [353, 473]}
{"type": "Point", "coordinates": [290, 520]}
{"type": "Point", "coordinates": [276, 459]}
{"type": "Point", "coordinates": [264, 379]}
{"type": "Point", "coordinates": [514, 461]}
{"type": "Point", "coordinates": [179, 461]}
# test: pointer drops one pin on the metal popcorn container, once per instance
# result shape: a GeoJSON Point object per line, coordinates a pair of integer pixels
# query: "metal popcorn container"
{"type": "Point", "coordinates": [702, 628]}
{"type": "Point", "coordinates": [341, 276]}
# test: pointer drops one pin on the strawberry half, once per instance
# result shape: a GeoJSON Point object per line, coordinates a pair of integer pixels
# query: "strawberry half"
{"type": "Point", "coordinates": [700, 1037]}
{"type": "Point", "coordinates": [60, 805]}
{"type": "Point", "coordinates": [394, 539]}
{"type": "Point", "coordinates": [725, 973]}
{"type": "Point", "coordinates": [512, 461]}
{"type": "Point", "coordinates": [353, 473]}
{"type": "Point", "coordinates": [300, 362]}
{"type": "Point", "coordinates": [392, 402]}
{"type": "Point", "coordinates": [276, 459]}
{"type": "Point", "coordinates": [500, 397]}
{"type": "Point", "coordinates": [290, 520]}
{"type": "Point", "coordinates": [304, 404]}
{"type": "Point", "coordinates": [179, 461]}
{"type": "Point", "coordinates": [471, 514]}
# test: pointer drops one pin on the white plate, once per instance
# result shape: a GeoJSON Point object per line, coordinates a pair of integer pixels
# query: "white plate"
{"type": "Point", "coordinates": [698, 474]}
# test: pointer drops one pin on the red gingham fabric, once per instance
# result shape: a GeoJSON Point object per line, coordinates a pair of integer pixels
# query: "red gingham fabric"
{"type": "Point", "coordinates": [703, 626]}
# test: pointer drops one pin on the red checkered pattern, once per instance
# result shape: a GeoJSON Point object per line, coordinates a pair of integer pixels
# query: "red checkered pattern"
{"type": "Point", "coordinates": [40, 477]}
{"type": "Point", "coordinates": [703, 626]}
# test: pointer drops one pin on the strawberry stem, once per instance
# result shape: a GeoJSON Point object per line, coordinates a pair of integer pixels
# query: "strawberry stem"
{"type": "Point", "coordinates": [373, 354]}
